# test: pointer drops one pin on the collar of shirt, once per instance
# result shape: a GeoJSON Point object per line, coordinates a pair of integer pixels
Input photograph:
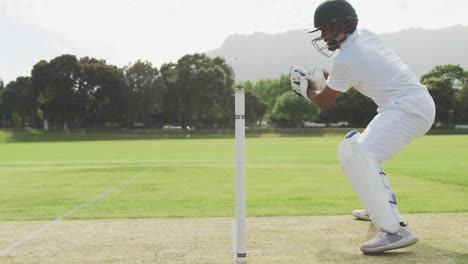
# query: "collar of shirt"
{"type": "Point", "coordinates": [349, 37]}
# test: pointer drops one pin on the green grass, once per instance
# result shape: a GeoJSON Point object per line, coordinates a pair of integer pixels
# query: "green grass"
{"type": "Point", "coordinates": [286, 175]}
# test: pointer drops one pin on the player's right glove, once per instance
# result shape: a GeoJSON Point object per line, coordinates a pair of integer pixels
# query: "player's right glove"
{"type": "Point", "coordinates": [318, 76]}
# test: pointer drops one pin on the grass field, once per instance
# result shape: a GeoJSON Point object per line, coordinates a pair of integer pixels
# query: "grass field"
{"type": "Point", "coordinates": [195, 177]}
{"type": "Point", "coordinates": [287, 175]}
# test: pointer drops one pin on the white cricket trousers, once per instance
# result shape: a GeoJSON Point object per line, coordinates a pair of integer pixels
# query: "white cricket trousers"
{"type": "Point", "coordinates": [394, 127]}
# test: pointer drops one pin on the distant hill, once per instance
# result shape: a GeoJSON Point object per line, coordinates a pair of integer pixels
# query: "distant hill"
{"type": "Point", "coordinates": [261, 56]}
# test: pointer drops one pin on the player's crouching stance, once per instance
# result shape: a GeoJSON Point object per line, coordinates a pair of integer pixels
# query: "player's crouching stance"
{"type": "Point", "coordinates": [405, 112]}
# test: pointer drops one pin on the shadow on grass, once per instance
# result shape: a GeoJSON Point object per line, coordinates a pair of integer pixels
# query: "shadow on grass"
{"type": "Point", "coordinates": [34, 135]}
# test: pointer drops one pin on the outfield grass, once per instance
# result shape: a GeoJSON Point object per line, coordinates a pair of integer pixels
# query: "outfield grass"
{"type": "Point", "coordinates": [286, 175]}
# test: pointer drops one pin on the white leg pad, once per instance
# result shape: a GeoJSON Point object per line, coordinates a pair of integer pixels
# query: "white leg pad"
{"type": "Point", "coordinates": [362, 171]}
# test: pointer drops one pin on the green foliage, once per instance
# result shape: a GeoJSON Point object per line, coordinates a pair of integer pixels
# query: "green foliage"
{"type": "Point", "coordinates": [3, 108]}
{"type": "Point", "coordinates": [462, 109]}
{"type": "Point", "coordinates": [451, 104]}
{"type": "Point", "coordinates": [352, 107]}
{"type": "Point", "coordinates": [145, 95]}
{"type": "Point", "coordinates": [77, 93]}
{"type": "Point", "coordinates": [292, 110]}
{"type": "Point", "coordinates": [19, 103]}
{"type": "Point", "coordinates": [56, 83]}
{"type": "Point", "coordinates": [196, 91]}
{"type": "Point", "coordinates": [101, 94]}
{"type": "Point", "coordinates": [270, 89]}
{"type": "Point", "coordinates": [200, 94]}
{"type": "Point", "coordinates": [255, 108]}
{"type": "Point", "coordinates": [283, 113]}
{"type": "Point", "coordinates": [444, 97]}
{"type": "Point", "coordinates": [449, 71]}
{"type": "Point", "coordinates": [67, 92]}
{"type": "Point", "coordinates": [248, 85]}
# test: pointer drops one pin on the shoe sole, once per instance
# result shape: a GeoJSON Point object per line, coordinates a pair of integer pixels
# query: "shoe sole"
{"type": "Point", "coordinates": [399, 244]}
{"type": "Point", "coordinates": [361, 217]}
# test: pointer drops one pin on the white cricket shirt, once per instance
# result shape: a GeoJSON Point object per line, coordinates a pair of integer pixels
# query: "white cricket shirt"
{"type": "Point", "coordinates": [363, 62]}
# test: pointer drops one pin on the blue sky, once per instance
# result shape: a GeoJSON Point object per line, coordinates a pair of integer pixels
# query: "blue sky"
{"type": "Point", "coordinates": [123, 31]}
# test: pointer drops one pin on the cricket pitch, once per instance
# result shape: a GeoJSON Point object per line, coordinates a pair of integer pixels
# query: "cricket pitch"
{"type": "Point", "coordinates": [307, 239]}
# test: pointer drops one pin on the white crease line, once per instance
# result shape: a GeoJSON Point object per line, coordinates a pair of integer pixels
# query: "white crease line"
{"type": "Point", "coordinates": [57, 220]}
{"type": "Point", "coordinates": [103, 163]}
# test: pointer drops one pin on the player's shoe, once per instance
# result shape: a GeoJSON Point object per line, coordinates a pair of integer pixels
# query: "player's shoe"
{"type": "Point", "coordinates": [361, 214]}
{"type": "Point", "coordinates": [384, 241]}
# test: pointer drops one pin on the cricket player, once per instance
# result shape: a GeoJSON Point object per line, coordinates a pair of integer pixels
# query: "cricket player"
{"type": "Point", "coordinates": [406, 111]}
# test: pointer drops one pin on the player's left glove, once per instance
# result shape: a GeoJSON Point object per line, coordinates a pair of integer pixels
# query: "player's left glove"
{"type": "Point", "coordinates": [299, 83]}
{"type": "Point", "coordinates": [301, 80]}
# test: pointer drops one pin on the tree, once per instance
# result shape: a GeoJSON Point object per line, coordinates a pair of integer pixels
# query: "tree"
{"type": "Point", "coordinates": [270, 89]}
{"type": "Point", "coordinates": [40, 82]}
{"type": "Point", "coordinates": [101, 94]}
{"type": "Point", "coordinates": [169, 78]}
{"type": "Point", "coordinates": [6, 106]}
{"type": "Point", "coordinates": [292, 110]}
{"type": "Point", "coordinates": [214, 103]}
{"type": "Point", "coordinates": [200, 92]}
{"type": "Point", "coordinates": [3, 107]}
{"type": "Point", "coordinates": [463, 105]}
{"type": "Point", "coordinates": [146, 94]}
{"type": "Point", "coordinates": [452, 108]}
{"type": "Point", "coordinates": [352, 107]}
{"type": "Point", "coordinates": [19, 103]}
{"type": "Point", "coordinates": [248, 85]}
{"type": "Point", "coordinates": [444, 97]}
{"type": "Point", "coordinates": [57, 83]}
{"type": "Point", "coordinates": [453, 72]}
{"type": "Point", "coordinates": [255, 108]}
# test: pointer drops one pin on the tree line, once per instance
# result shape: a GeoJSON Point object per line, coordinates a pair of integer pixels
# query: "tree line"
{"type": "Point", "coordinates": [82, 93]}
{"type": "Point", "coordinates": [196, 91]}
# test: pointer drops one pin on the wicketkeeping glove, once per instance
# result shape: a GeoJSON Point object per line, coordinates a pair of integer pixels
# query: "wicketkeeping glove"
{"type": "Point", "coordinates": [318, 76]}
{"type": "Point", "coordinates": [298, 81]}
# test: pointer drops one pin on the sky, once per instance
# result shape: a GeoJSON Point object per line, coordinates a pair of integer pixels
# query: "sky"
{"type": "Point", "coordinates": [160, 31]}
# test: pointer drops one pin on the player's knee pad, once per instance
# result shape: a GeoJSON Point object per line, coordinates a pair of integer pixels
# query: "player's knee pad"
{"type": "Point", "coordinates": [362, 171]}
